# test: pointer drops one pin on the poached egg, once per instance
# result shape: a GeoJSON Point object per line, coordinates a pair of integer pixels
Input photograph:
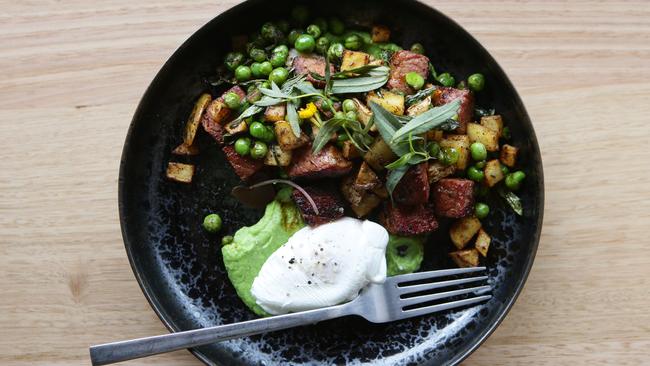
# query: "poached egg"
{"type": "Point", "coordinates": [322, 266]}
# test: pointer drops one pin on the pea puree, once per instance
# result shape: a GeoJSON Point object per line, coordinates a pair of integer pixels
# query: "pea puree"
{"type": "Point", "coordinates": [403, 254]}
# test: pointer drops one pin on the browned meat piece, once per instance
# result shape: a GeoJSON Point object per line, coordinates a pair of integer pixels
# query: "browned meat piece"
{"type": "Point", "coordinates": [453, 197]}
{"type": "Point", "coordinates": [329, 162]}
{"type": "Point", "coordinates": [215, 114]}
{"type": "Point", "coordinates": [235, 89]}
{"type": "Point", "coordinates": [444, 95]}
{"type": "Point", "coordinates": [413, 188]}
{"type": "Point", "coordinates": [401, 64]}
{"type": "Point", "coordinates": [408, 220]}
{"type": "Point", "coordinates": [330, 205]}
{"type": "Point", "coordinates": [244, 166]}
{"type": "Point", "coordinates": [308, 64]}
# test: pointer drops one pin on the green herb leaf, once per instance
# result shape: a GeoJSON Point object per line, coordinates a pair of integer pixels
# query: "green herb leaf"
{"type": "Point", "coordinates": [307, 88]}
{"type": "Point", "coordinates": [512, 199]}
{"type": "Point", "coordinates": [432, 70]}
{"type": "Point", "coordinates": [483, 112]}
{"type": "Point", "coordinates": [374, 79]}
{"type": "Point", "coordinates": [250, 111]}
{"type": "Point", "coordinates": [402, 161]}
{"type": "Point", "coordinates": [328, 78]}
{"type": "Point", "coordinates": [428, 120]}
{"type": "Point", "coordinates": [293, 118]}
{"type": "Point", "coordinates": [449, 125]}
{"type": "Point", "coordinates": [269, 101]}
{"type": "Point", "coordinates": [325, 134]}
{"type": "Point", "coordinates": [387, 124]}
{"type": "Point", "coordinates": [393, 177]}
{"type": "Point", "coordinates": [420, 95]}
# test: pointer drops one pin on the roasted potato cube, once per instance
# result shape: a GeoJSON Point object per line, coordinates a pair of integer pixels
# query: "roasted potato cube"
{"type": "Point", "coordinates": [354, 59]}
{"type": "Point", "coordinates": [437, 171]}
{"type": "Point", "coordinates": [493, 172]}
{"type": "Point", "coordinates": [368, 203]}
{"type": "Point", "coordinates": [234, 128]}
{"type": "Point", "coordinates": [379, 155]}
{"type": "Point", "coordinates": [351, 193]}
{"type": "Point", "coordinates": [375, 62]}
{"type": "Point", "coordinates": [364, 114]}
{"type": "Point", "coordinates": [482, 243]}
{"type": "Point", "coordinates": [183, 149]}
{"type": "Point", "coordinates": [463, 230]}
{"type": "Point", "coordinates": [461, 144]}
{"type": "Point", "coordinates": [419, 107]}
{"type": "Point", "coordinates": [366, 178]}
{"type": "Point", "coordinates": [286, 138]}
{"type": "Point", "coordinates": [195, 118]}
{"type": "Point", "coordinates": [380, 34]}
{"type": "Point", "coordinates": [217, 111]}
{"type": "Point", "coordinates": [349, 150]}
{"type": "Point", "coordinates": [484, 135]}
{"type": "Point", "coordinates": [180, 172]}
{"type": "Point", "coordinates": [508, 155]}
{"type": "Point", "coordinates": [465, 258]}
{"type": "Point", "coordinates": [275, 113]}
{"type": "Point", "coordinates": [277, 157]}
{"type": "Point", "coordinates": [392, 102]}
{"type": "Point", "coordinates": [435, 135]}
{"type": "Point", "coordinates": [495, 123]}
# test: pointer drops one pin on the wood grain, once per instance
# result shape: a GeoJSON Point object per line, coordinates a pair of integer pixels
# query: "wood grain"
{"type": "Point", "coordinates": [72, 72]}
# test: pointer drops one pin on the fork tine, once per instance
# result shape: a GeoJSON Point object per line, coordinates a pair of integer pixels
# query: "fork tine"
{"type": "Point", "coordinates": [433, 274]}
{"type": "Point", "coordinates": [442, 295]}
{"type": "Point", "coordinates": [441, 307]}
{"type": "Point", "coordinates": [430, 286]}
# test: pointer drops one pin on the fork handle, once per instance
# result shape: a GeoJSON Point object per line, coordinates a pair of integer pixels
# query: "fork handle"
{"type": "Point", "coordinates": [108, 353]}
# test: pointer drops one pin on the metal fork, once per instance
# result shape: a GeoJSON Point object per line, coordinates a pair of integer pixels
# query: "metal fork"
{"type": "Point", "coordinates": [397, 298]}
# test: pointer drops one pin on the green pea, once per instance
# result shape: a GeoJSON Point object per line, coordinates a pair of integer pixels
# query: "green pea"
{"type": "Point", "coordinates": [415, 80]}
{"type": "Point", "coordinates": [257, 54]}
{"type": "Point", "coordinates": [279, 75]}
{"type": "Point", "coordinates": [513, 180]}
{"type": "Point", "coordinates": [351, 115]}
{"type": "Point", "coordinates": [506, 133]}
{"type": "Point", "coordinates": [256, 69]}
{"type": "Point", "coordinates": [449, 156]}
{"type": "Point", "coordinates": [228, 239]}
{"type": "Point", "coordinates": [266, 68]}
{"type": "Point", "coordinates": [349, 105]}
{"type": "Point", "coordinates": [282, 49]}
{"type": "Point", "coordinates": [446, 79]}
{"type": "Point", "coordinates": [390, 47]}
{"type": "Point", "coordinates": [336, 26]}
{"type": "Point", "coordinates": [269, 31]}
{"type": "Point", "coordinates": [259, 150]}
{"type": "Point", "coordinates": [257, 130]}
{"type": "Point", "coordinates": [269, 135]}
{"type": "Point", "coordinates": [243, 146]}
{"type": "Point", "coordinates": [314, 30]}
{"type": "Point", "coordinates": [300, 14]}
{"type": "Point", "coordinates": [341, 138]}
{"type": "Point", "coordinates": [434, 149]}
{"type": "Point", "coordinates": [335, 52]}
{"type": "Point", "coordinates": [326, 105]}
{"type": "Point", "coordinates": [322, 44]}
{"type": "Point", "coordinates": [481, 210]}
{"type": "Point", "coordinates": [278, 59]}
{"type": "Point", "coordinates": [293, 35]}
{"type": "Point", "coordinates": [233, 60]}
{"type": "Point", "coordinates": [480, 164]}
{"type": "Point", "coordinates": [475, 174]}
{"type": "Point", "coordinates": [417, 48]}
{"type": "Point", "coordinates": [243, 73]}
{"type": "Point", "coordinates": [305, 43]}
{"type": "Point", "coordinates": [352, 42]}
{"type": "Point", "coordinates": [212, 223]}
{"type": "Point", "coordinates": [476, 82]}
{"type": "Point", "coordinates": [478, 150]}
{"type": "Point", "coordinates": [504, 169]}
{"type": "Point", "coordinates": [232, 100]}
{"type": "Point", "coordinates": [339, 115]}
{"type": "Point", "coordinates": [461, 85]}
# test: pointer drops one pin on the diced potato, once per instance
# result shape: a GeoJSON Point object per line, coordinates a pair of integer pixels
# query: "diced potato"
{"type": "Point", "coordinates": [183, 149]}
{"type": "Point", "coordinates": [286, 138]}
{"type": "Point", "coordinates": [217, 112]}
{"type": "Point", "coordinates": [236, 128]}
{"type": "Point", "coordinates": [392, 102]}
{"type": "Point", "coordinates": [349, 150]}
{"type": "Point", "coordinates": [379, 155]}
{"type": "Point", "coordinates": [435, 135]}
{"type": "Point", "coordinates": [375, 62]}
{"type": "Point", "coordinates": [461, 144]}
{"type": "Point", "coordinates": [419, 107]}
{"type": "Point", "coordinates": [495, 123]}
{"type": "Point", "coordinates": [484, 135]}
{"type": "Point", "coordinates": [482, 242]}
{"type": "Point", "coordinates": [195, 118]}
{"type": "Point", "coordinates": [465, 258]}
{"type": "Point", "coordinates": [508, 155]}
{"type": "Point", "coordinates": [463, 230]}
{"type": "Point", "coordinates": [364, 114]}
{"type": "Point", "coordinates": [275, 113]}
{"type": "Point", "coordinates": [180, 172]}
{"type": "Point", "coordinates": [381, 191]}
{"type": "Point", "coordinates": [493, 172]}
{"type": "Point", "coordinates": [380, 34]}
{"type": "Point", "coordinates": [366, 178]}
{"type": "Point", "coordinates": [368, 203]}
{"type": "Point", "coordinates": [354, 59]}
{"type": "Point", "coordinates": [437, 171]}
{"type": "Point", "coordinates": [277, 157]}
{"type": "Point", "coordinates": [351, 193]}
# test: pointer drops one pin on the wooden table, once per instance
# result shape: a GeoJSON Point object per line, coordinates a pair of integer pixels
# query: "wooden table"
{"type": "Point", "coordinates": [72, 72]}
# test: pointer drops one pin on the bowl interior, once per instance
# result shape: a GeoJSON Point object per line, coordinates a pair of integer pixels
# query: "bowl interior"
{"type": "Point", "coordinates": [179, 266]}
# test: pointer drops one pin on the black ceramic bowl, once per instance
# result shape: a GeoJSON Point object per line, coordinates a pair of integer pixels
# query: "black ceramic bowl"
{"type": "Point", "coordinates": [179, 266]}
